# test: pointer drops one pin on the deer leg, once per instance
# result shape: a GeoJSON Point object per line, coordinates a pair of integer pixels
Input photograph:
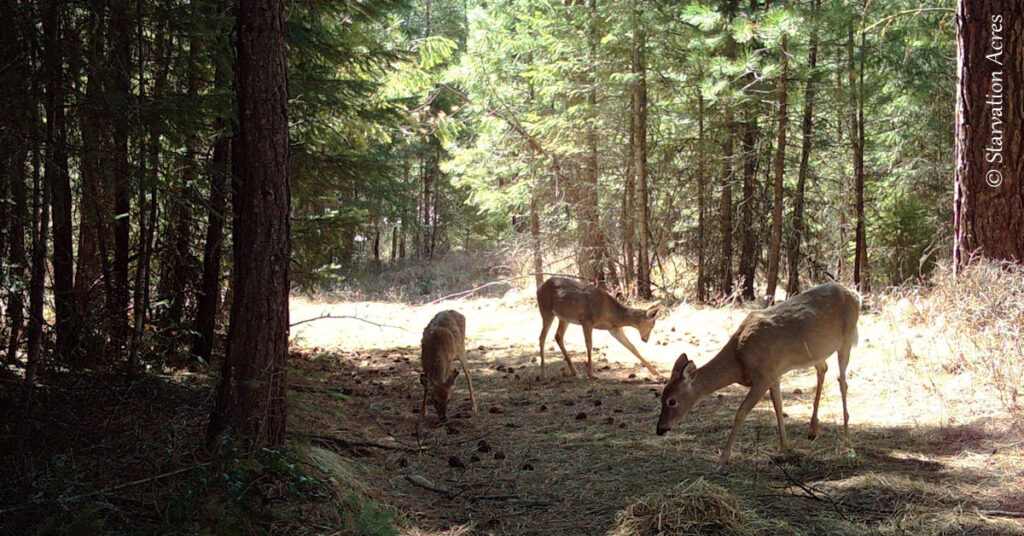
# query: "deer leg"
{"type": "Point", "coordinates": [755, 394]}
{"type": "Point", "coordinates": [469, 380]}
{"type": "Point", "coordinates": [423, 406]}
{"type": "Point", "coordinates": [547, 319]}
{"type": "Point", "coordinates": [844, 359]}
{"type": "Point", "coordinates": [621, 337]}
{"type": "Point", "coordinates": [560, 339]}
{"type": "Point", "coordinates": [776, 391]}
{"type": "Point", "coordinates": [588, 337]}
{"type": "Point", "coordinates": [822, 368]}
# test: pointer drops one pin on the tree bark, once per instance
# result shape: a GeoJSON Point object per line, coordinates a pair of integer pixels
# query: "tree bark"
{"type": "Point", "coordinates": [41, 227]}
{"type": "Point", "coordinates": [643, 279]}
{"type": "Point", "coordinates": [860, 259]}
{"type": "Point", "coordinates": [780, 167]}
{"type": "Point", "coordinates": [989, 180]}
{"type": "Point", "coordinates": [59, 178]}
{"type": "Point", "coordinates": [725, 208]}
{"type": "Point", "coordinates": [538, 256]}
{"type": "Point", "coordinates": [807, 130]}
{"type": "Point", "coordinates": [748, 262]}
{"type": "Point", "coordinates": [18, 260]}
{"type": "Point", "coordinates": [702, 209]}
{"type": "Point", "coordinates": [209, 294]}
{"type": "Point", "coordinates": [119, 299]}
{"type": "Point", "coordinates": [251, 396]}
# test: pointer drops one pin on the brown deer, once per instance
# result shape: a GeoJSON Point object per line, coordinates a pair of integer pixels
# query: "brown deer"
{"type": "Point", "coordinates": [799, 332]}
{"type": "Point", "coordinates": [444, 339]}
{"type": "Point", "coordinates": [589, 306]}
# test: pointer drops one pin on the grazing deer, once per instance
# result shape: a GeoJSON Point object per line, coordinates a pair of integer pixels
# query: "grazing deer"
{"type": "Point", "coordinates": [589, 306]}
{"type": "Point", "coordinates": [799, 332]}
{"type": "Point", "coordinates": [444, 339]}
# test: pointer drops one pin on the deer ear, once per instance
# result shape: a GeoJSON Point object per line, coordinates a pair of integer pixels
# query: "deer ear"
{"type": "Point", "coordinates": [690, 371]}
{"type": "Point", "coordinates": [653, 311]}
{"type": "Point", "coordinates": [681, 362]}
{"type": "Point", "coordinates": [424, 380]}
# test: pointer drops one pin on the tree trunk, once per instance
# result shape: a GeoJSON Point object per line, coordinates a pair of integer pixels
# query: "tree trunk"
{"type": "Point", "coordinates": [251, 396]}
{"type": "Point", "coordinates": [989, 181]}
{"type": "Point", "coordinates": [394, 243]}
{"type": "Point", "coordinates": [793, 250]}
{"type": "Point", "coordinates": [748, 260]}
{"type": "Point", "coordinates": [59, 178]}
{"type": "Point", "coordinates": [702, 275]}
{"type": "Point", "coordinates": [18, 259]}
{"type": "Point", "coordinates": [538, 256]}
{"type": "Point", "coordinates": [643, 279]}
{"type": "Point", "coordinates": [40, 230]}
{"type": "Point", "coordinates": [119, 298]}
{"type": "Point", "coordinates": [860, 259]}
{"type": "Point", "coordinates": [209, 294]}
{"type": "Point", "coordinates": [780, 166]}
{"type": "Point", "coordinates": [725, 208]}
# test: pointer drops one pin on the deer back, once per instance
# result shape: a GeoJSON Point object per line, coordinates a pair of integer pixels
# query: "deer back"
{"type": "Point", "coordinates": [800, 331]}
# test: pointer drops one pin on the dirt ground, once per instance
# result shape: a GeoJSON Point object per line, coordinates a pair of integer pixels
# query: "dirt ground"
{"type": "Point", "coordinates": [928, 450]}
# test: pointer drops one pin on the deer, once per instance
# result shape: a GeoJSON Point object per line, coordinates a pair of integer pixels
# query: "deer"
{"type": "Point", "coordinates": [800, 332]}
{"type": "Point", "coordinates": [574, 302]}
{"type": "Point", "coordinates": [444, 339]}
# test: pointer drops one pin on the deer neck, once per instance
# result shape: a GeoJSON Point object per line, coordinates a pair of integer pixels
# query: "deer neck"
{"type": "Point", "coordinates": [722, 370]}
{"type": "Point", "coordinates": [627, 316]}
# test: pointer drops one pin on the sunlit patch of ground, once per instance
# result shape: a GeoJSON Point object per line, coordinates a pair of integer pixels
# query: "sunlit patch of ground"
{"type": "Point", "coordinates": [929, 451]}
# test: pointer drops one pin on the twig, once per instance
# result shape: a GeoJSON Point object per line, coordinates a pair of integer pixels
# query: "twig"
{"type": "Point", "coordinates": [422, 482]}
{"type": "Point", "coordinates": [319, 389]}
{"type": "Point", "coordinates": [104, 491]}
{"type": "Point", "coordinates": [525, 501]}
{"type": "Point", "coordinates": [813, 493]}
{"type": "Point", "coordinates": [345, 317]}
{"type": "Point", "coordinates": [339, 442]}
{"type": "Point", "coordinates": [501, 282]}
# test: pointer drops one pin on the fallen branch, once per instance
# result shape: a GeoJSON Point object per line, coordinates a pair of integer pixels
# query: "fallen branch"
{"type": "Point", "coordinates": [345, 317]}
{"type": "Point", "coordinates": [342, 443]}
{"type": "Point", "coordinates": [813, 493]}
{"type": "Point", "coordinates": [104, 491]}
{"type": "Point", "coordinates": [422, 482]}
{"type": "Point", "coordinates": [506, 281]}
{"type": "Point", "coordinates": [319, 389]}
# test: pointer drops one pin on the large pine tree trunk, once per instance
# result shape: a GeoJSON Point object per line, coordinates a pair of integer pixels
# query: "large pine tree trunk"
{"type": "Point", "coordinates": [806, 128]}
{"type": "Point", "coordinates": [989, 183]}
{"type": "Point", "coordinates": [775, 246]}
{"type": "Point", "coordinates": [251, 396]}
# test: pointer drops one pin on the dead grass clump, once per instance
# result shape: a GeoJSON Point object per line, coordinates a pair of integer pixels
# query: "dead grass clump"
{"type": "Point", "coordinates": [692, 508]}
{"type": "Point", "coordinates": [981, 314]}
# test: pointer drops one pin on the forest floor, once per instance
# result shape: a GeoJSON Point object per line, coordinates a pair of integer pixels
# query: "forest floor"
{"type": "Point", "coordinates": [929, 451]}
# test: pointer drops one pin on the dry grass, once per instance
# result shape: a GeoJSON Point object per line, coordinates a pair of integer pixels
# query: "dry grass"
{"type": "Point", "coordinates": [931, 449]}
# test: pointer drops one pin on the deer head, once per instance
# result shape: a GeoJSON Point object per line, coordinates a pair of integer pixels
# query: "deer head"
{"type": "Point", "coordinates": [439, 392]}
{"type": "Point", "coordinates": [679, 395]}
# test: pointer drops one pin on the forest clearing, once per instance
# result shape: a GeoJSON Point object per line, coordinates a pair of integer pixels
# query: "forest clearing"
{"type": "Point", "coordinates": [931, 449]}
{"type": "Point", "coordinates": [928, 452]}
